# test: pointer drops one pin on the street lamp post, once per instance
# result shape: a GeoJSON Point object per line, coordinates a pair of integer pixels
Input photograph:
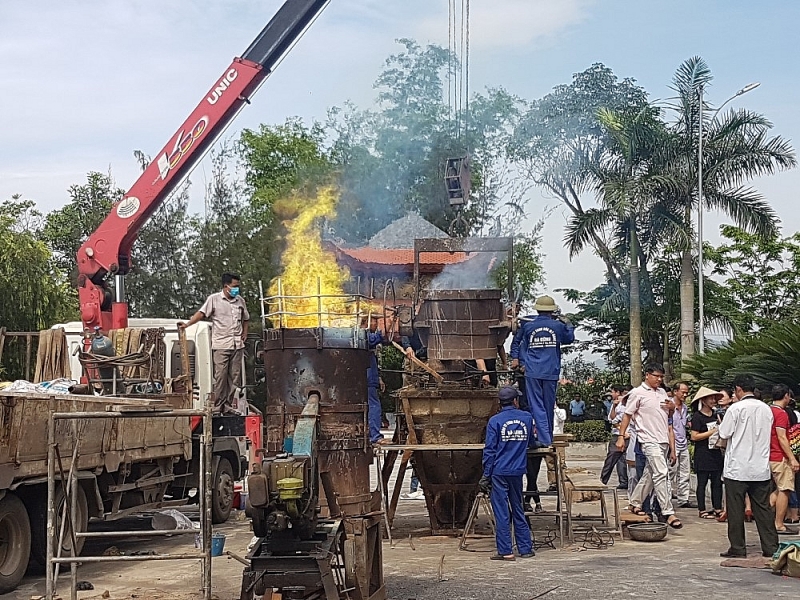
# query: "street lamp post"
{"type": "Point", "coordinates": [701, 346]}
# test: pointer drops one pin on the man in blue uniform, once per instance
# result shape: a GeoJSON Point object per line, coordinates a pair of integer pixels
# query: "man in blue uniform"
{"type": "Point", "coordinates": [537, 348]}
{"type": "Point", "coordinates": [374, 409]}
{"type": "Point", "coordinates": [504, 463]}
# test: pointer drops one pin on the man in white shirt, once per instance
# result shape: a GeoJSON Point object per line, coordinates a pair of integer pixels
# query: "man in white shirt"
{"type": "Point", "coordinates": [747, 426]}
{"type": "Point", "coordinates": [648, 407]}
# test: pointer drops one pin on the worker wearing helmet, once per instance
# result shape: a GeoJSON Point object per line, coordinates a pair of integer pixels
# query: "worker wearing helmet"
{"type": "Point", "coordinates": [536, 349]}
{"type": "Point", "coordinates": [508, 435]}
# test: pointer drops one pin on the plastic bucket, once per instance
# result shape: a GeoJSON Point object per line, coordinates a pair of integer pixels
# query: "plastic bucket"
{"type": "Point", "coordinates": [217, 544]}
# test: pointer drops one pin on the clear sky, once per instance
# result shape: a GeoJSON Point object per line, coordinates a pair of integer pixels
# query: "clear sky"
{"type": "Point", "coordinates": [84, 83]}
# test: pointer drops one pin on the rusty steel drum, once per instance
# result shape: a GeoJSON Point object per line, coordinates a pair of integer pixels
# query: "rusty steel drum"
{"type": "Point", "coordinates": [462, 324]}
{"type": "Point", "coordinates": [331, 362]}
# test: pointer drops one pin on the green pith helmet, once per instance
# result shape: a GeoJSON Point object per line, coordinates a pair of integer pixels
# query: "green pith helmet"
{"type": "Point", "coordinates": [545, 304]}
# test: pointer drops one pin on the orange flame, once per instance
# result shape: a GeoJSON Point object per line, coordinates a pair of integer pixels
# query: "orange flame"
{"type": "Point", "coordinates": [308, 270]}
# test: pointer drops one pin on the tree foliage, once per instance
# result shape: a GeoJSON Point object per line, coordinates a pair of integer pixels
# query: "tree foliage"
{"type": "Point", "coordinates": [771, 356]}
{"type": "Point", "coordinates": [760, 279]}
{"type": "Point", "coordinates": [391, 159]}
{"type": "Point", "coordinates": [34, 294]}
{"type": "Point", "coordinates": [67, 228]}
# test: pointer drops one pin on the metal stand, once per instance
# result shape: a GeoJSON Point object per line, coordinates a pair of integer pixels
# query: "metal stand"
{"type": "Point", "coordinates": [481, 501]}
{"type": "Point", "coordinates": [69, 485]}
{"type": "Point", "coordinates": [560, 513]}
{"type": "Point", "coordinates": [604, 518]}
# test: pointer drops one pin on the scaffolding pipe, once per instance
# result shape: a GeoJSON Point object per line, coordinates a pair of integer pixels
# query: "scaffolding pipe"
{"type": "Point", "coordinates": [71, 484]}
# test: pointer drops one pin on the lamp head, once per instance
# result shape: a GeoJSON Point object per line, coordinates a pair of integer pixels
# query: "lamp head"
{"type": "Point", "coordinates": [748, 88]}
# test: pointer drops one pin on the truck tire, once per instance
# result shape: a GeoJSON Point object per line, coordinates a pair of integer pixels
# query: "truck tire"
{"type": "Point", "coordinates": [222, 491]}
{"type": "Point", "coordinates": [39, 525]}
{"type": "Point", "coordinates": [15, 542]}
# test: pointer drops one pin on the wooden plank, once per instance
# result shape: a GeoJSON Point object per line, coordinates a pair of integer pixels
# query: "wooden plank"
{"type": "Point", "coordinates": [2, 341]}
{"type": "Point", "coordinates": [419, 363]}
{"type": "Point", "coordinates": [438, 447]}
{"type": "Point", "coordinates": [143, 402]}
{"type": "Point", "coordinates": [398, 487]}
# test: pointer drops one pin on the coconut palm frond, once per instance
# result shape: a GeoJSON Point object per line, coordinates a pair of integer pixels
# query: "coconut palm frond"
{"type": "Point", "coordinates": [748, 209]}
{"type": "Point", "coordinates": [581, 228]}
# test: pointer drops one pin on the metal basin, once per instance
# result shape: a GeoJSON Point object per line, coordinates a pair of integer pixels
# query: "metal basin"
{"type": "Point", "coordinates": [648, 532]}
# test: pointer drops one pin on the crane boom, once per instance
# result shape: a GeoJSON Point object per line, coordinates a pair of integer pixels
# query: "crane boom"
{"type": "Point", "coordinates": [107, 251]}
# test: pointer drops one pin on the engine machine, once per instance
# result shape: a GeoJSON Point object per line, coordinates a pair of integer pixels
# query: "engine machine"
{"type": "Point", "coordinates": [317, 520]}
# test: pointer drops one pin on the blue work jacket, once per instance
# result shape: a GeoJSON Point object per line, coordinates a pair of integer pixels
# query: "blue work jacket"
{"type": "Point", "coordinates": [537, 345]}
{"type": "Point", "coordinates": [373, 376]}
{"type": "Point", "coordinates": [508, 435]}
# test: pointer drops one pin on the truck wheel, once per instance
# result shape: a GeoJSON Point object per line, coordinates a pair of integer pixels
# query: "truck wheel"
{"type": "Point", "coordinates": [39, 525]}
{"type": "Point", "coordinates": [15, 542]}
{"type": "Point", "coordinates": [222, 491]}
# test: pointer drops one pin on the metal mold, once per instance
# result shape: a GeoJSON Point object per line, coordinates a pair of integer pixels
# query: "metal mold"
{"type": "Point", "coordinates": [462, 324]}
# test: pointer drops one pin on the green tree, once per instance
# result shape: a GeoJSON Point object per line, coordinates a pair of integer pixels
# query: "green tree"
{"type": "Point", "coordinates": [736, 149]}
{"type": "Point", "coordinates": [280, 159]}
{"type": "Point", "coordinates": [158, 286]}
{"type": "Point", "coordinates": [232, 235]}
{"type": "Point", "coordinates": [759, 279]}
{"type": "Point", "coordinates": [33, 293]}
{"type": "Point", "coordinates": [67, 228]}
{"type": "Point", "coordinates": [391, 160]}
{"type": "Point", "coordinates": [627, 182]}
{"type": "Point", "coordinates": [771, 356]}
{"type": "Point", "coordinates": [559, 142]}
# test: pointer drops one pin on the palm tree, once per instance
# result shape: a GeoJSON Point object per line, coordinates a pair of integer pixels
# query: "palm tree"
{"type": "Point", "coordinates": [736, 148]}
{"type": "Point", "coordinates": [628, 182]}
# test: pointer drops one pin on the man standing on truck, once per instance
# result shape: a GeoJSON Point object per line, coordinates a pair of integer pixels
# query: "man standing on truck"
{"type": "Point", "coordinates": [229, 318]}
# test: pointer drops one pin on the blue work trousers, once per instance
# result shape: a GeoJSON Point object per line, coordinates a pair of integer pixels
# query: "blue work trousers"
{"type": "Point", "coordinates": [374, 415]}
{"type": "Point", "coordinates": [507, 492]}
{"type": "Point", "coordinates": [541, 396]}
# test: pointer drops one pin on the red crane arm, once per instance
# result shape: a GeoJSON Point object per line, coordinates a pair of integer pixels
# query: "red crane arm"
{"type": "Point", "coordinates": [107, 251]}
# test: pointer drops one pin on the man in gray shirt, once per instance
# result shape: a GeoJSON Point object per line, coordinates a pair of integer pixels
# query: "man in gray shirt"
{"type": "Point", "coordinates": [229, 318]}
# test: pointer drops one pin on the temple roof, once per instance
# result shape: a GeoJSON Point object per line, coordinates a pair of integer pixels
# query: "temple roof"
{"type": "Point", "coordinates": [401, 233]}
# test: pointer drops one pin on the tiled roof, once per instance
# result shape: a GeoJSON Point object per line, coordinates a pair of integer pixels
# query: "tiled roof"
{"type": "Point", "coordinates": [401, 233]}
{"type": "Point", "coordinates": [401, 260]}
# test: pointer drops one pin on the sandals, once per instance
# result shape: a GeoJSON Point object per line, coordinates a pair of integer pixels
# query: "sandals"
{"type": "Point", "coordinates": [707, 514]}
{"type": "Point", "coordinates": [748, 516]}
{"type": "Point", "coordinates": [639, 512]}
{"type": "Point", "coordinates": [674, 522]}
{"type": "Point", "coordinates": [722, 516]}
{"type": "Point", "coordinates": [501, 557]}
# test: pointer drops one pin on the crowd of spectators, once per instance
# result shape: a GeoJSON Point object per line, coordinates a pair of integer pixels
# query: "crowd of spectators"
{"type": "Point", "coordinates": [744, 450]}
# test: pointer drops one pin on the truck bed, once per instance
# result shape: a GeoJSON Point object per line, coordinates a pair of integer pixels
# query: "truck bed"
{"type": "Point", "coordinates": [105, 443]}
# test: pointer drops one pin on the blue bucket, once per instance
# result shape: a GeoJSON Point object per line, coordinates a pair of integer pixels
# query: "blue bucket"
{"type": "Point", "coordinates": [217, 544]}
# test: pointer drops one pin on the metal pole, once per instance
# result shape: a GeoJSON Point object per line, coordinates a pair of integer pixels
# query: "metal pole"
{"type": "Point", "coordinates": [51, 513]}
{"type": "Point", "coordinates": [700, 296]}
{"type": "Point", "coordinates": [319, 301]}
{"type": "Point", "coordinates": [261, 300]}
{"type": "Point", "coordinates": [280, 303]}
{"type": "Point", "coordinates": [73, 481]}
{"type": "Point", "coordinates": [205, 455]}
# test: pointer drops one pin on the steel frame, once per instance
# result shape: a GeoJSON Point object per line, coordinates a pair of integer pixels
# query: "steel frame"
{"type": "Point", "coordinates": [71, 494]}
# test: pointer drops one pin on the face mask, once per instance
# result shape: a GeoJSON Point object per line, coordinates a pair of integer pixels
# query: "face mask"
{"type": "Point", "coordinates": [234, 292]}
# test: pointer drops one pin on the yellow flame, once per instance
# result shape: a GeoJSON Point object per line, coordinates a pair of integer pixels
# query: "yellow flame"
{"type": "Point", "coordinates": [307, 269]}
